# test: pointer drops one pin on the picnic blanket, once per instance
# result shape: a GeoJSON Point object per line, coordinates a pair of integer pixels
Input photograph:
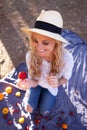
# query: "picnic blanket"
{"type": "Point", "coordinates": [70, 110]}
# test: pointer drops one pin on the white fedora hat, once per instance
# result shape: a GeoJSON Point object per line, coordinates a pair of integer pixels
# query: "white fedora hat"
{"type": "Point", "coordinates": [49, 23]}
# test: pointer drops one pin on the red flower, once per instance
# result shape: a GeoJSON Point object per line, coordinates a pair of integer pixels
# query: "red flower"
{"type": "Point", "coordinates": [22, 75]}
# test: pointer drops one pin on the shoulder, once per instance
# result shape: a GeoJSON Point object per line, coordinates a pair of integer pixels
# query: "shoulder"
{"type": "Point", "coordinates": [68, 59]}
{"type": "Point", "coordinates": [27, 55]}
{"type": "Point", "coordinates": [27, 58]}
{"type": "Point", "coordinates": [67, 56]}
{"type": "Point", "coordinates": [68, 64]}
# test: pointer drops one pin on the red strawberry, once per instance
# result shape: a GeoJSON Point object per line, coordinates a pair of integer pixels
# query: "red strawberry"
{"type": "Point", "coordinates": [71, 113]}
{"type": "Point", "coordinates": [9, 122]}
{"type": "Point", "coordinates": [5, 116]}
{"type": "Point", "coordinates": [26, 127]}
{"type": "Point", "coordinates": [37, 121]}
{"type": "Point", "coordinates": [36, 129]}
{"type": "Point", "coordinates": [22, 75]}
{"type": "Point", "coordinates": [43, 127]}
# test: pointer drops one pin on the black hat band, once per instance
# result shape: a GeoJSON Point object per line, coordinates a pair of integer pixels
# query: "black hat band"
{"type": "Point", "coordinates": [47, 27]}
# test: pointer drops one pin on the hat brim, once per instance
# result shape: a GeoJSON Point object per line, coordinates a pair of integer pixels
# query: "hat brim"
{"type": "Point", "coordinates": [45, 33]}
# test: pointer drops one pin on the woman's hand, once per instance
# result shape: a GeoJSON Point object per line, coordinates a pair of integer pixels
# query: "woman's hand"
{"type": "Point", "coordinates": [26, 83]}
{"type": "Point", "coordinates": [53, 80]}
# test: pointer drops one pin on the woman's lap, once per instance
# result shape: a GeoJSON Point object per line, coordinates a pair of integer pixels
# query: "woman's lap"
{"type": "Point", "coordinates": [41, 97]}
{"type": "Point", "coordinates": [34, 96]}
{"type": "Point", "coordinates": [46, 102]}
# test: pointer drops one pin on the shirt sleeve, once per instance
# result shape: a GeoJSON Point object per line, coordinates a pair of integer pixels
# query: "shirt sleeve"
{"type": "Point", "coordinates": [68, 67]}
{"type": "Point", "coordinates": [28, 61]}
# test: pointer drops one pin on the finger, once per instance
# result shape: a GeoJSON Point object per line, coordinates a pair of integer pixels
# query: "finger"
{"type": "Point", "coordinates": [52, 77]}
{"type": "Point", "coordinates": [53, 83]}
{"type": "Point", "coordinates": [52, 80]}
{"type": "Point", "coordinates": [51, 74]}
{"type": "Point", "coordinates": [18, 83]}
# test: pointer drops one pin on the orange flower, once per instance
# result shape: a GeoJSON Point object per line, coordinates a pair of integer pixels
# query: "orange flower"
{"type": "Point", "coordinates": [8, 90]}
{"type": "Point", "coordinates": [64, 126]}
{"type": "Point", "coordinates": [5, 110]}
{"type": "Point", "coordinates": [1, 96]}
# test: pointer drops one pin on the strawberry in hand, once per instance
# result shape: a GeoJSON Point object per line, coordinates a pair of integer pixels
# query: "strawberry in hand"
{"type": "Point", "coordinates": [24, 83]}
{"type": "Point", "coordinates": [22, 75]}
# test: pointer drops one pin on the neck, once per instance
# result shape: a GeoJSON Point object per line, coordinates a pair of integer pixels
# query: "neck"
{"type": "Point", "coordinates": [48, 59]}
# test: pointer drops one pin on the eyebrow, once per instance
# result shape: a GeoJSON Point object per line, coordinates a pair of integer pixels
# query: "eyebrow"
{"type": "Point", "coordinates": [48, 39]}
{"type": "Point", "coordinates": [33, 37]}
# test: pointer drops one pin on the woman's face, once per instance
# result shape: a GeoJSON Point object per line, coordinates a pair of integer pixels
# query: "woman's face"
{"type": "Point", "coordinates": [44, 45]}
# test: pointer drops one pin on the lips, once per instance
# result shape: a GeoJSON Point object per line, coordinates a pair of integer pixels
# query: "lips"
{"type": "Point", "coordinates": [42, 52]}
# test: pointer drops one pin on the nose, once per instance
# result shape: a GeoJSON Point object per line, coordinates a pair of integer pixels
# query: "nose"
{"type": "Point", "coordinates": [40, 46]}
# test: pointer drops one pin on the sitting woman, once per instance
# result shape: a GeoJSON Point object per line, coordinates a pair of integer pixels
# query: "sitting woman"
{"type": "Point", "coordinates": [49, 63]}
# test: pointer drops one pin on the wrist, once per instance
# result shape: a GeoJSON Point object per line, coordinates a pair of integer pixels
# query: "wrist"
{"type": "Point", "coordinates": [62, 81]}
{"type": "Point", "coordinates": [59, 82]}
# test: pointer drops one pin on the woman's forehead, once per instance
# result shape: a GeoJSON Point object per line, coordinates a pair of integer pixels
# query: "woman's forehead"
{"type": "Point", "coordinates": [40, 36]}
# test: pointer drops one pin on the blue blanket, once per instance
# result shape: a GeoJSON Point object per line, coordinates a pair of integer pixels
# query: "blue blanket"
{"type": "Point", "coordinates": [70, 110]}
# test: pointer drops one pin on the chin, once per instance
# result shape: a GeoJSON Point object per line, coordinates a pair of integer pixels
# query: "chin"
{"type": "Point", "coordinates": [42, 55]}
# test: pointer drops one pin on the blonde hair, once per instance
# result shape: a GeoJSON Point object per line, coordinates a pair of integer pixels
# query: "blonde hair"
{"type": "Point", "coordinates": [36, 60]}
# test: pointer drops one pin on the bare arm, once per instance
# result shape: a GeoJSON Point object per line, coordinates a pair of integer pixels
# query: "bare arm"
{"type": "Point", "coordinates": [27, 83]}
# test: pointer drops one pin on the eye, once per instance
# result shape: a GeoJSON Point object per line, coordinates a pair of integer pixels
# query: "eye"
{"type": "Point", "coordinates": [45, 43]}
{"type": "Point", "coordinates": [34, 40]}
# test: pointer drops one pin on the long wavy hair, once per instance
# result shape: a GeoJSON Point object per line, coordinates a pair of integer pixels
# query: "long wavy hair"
{"type": "Point", "coordinates": [36, 60]}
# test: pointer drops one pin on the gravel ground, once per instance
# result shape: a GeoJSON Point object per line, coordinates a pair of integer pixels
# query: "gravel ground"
{"type": "Point", "coordinates": [15, 14]}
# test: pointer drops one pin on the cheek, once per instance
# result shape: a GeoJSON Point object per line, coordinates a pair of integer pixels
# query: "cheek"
{"type": "Point", "coordinates": [51, 48]}
{"type": "Point", "coordinates": [35, 45]}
